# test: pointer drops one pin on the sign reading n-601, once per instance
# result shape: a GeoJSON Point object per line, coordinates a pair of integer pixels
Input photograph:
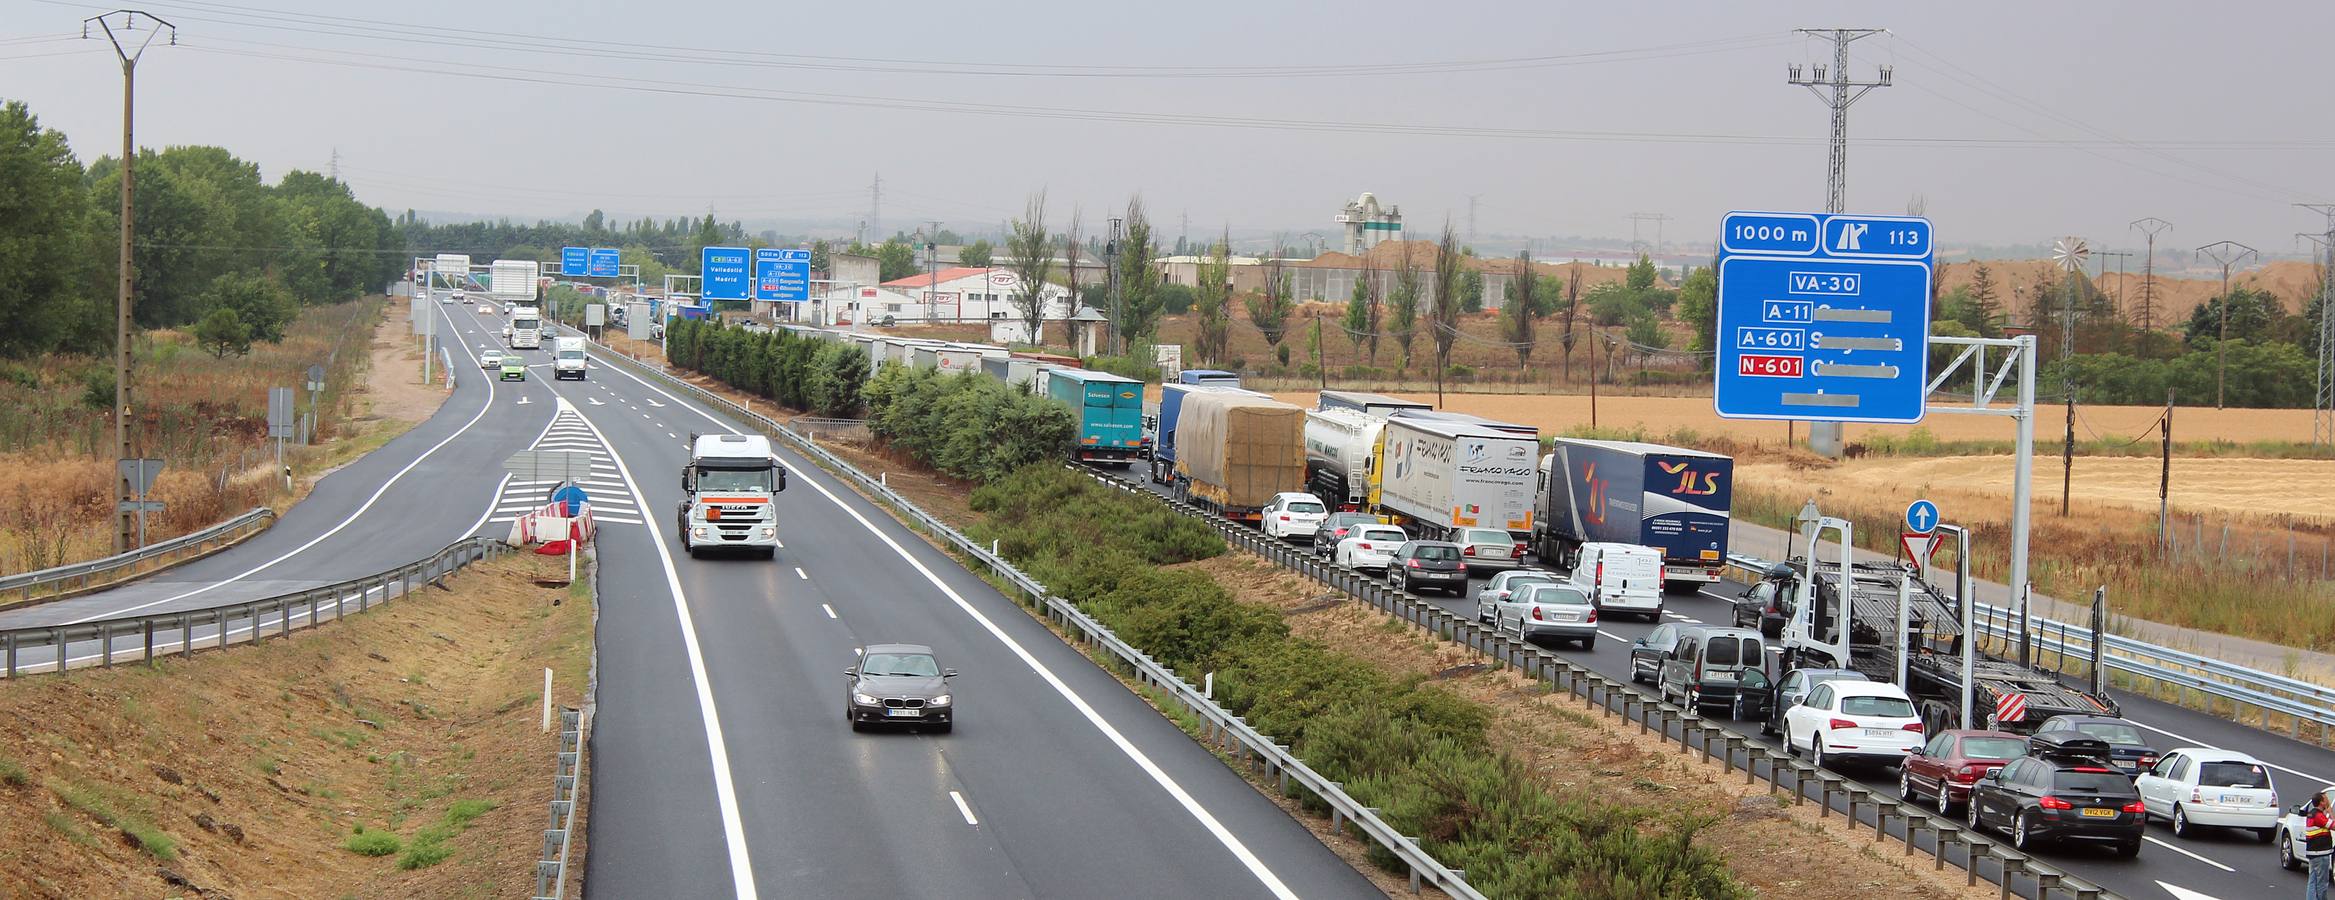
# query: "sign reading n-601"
{"type": "Point", "coordinates": [1823, 317]}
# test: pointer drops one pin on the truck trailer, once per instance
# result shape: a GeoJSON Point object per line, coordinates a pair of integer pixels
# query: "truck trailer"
{"type": "Point", "coordinates": [1109, 411]}
{"type": "Point", "coordinates": [1439, 477]}
{"type": "Point", "coordinates": [1341, 453]}
{"type": "Point", "coordinates": [1626, 492]}
{"type": "Point", "coordinates": [1379, 405]}
{"type": "Point", "coordinates": [1457, 418]}
{"type": "Point", "coordinates": [1234, 450]}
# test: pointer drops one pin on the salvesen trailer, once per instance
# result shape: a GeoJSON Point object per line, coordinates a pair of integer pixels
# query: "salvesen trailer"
{"type": "Point", "coordinates": [729, 494]}
{"type": "Point", "coordinates": [526, 328]}
{"type": "Point", "coordinates": [1439, 476]}
{"type": "Point", "coordinates": [1368, 403]}
{"type": "Point", "coordinates": [1108, 409]}
{"type": "Point", "coordinates": [1235, 449]}
{"type": "Point", "coordinates": [1865, 636]}
{"type": "Point", "coordinates": [1341, 451]}
{"type": "Point", "coordinates": [1626, 492]}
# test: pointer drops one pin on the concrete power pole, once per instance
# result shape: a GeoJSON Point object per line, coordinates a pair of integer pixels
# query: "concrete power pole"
{"type": "Point", "coordinates": [126, 20]}
{"type": "Point", "coordinates": [1837, 90]}
{"type": "Point", "coordinates": [1111, 273]}
{"type": "Point", "coordinates": [2323, 399]}
{"type": "Point", "coordinates": [2145, 315]}
{"type": "Point", "coordinates": [2227, 253]}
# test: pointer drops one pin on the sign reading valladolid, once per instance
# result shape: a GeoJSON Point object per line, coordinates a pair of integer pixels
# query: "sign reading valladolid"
{"type": "Point", "coordinates": [782, 275]}
{"type": "Point", "coordinates": [1823, 317]}
{"type": "Point", "coordinates": [728, 273]}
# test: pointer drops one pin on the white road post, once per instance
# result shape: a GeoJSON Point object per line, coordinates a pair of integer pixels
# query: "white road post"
{"type": "Point", "coordinates": [547, 698]}
{"type": "Point", "coordinates": [1904, 624]}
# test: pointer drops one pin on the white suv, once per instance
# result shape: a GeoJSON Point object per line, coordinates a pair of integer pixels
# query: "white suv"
{"type": "Point", "coordinates": [1370, 547]}
{"type": "Point", "coordinates": [1860, 719]}
{"type": "Point", "coordinates": [2196, 786]}
{"type": "Point", "coordinates": [1293, 515]}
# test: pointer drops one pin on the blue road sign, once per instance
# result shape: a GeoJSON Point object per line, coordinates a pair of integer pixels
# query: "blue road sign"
{"type": "Point", "coordinates": [1921, 517]}
{"type": "Point", "coordinates": [1823, 317]}
{"type": "Point", "coordinates": [782, 275]}
{"type": "Point", "coordinates": [574, 261]}
{"type": "Point", "coordinates": [727, 272]}
{"type": "Point", "coordinates": [603, 263]}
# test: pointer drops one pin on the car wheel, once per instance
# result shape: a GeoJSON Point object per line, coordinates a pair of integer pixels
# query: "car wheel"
{"type": "Point", "coordinates": [1767, 728]}
{"type": "Point", "coordinates": [2286, 858]}
{"type": "Point", "coordinates": [1945, 800]}
{"type": "Point", "coordinates": [2128, 849]}
{"type": "Point", "coordinates": [1816, 752]}
{"type": "Point", "coordinates": [2022, 832]}
{"type": "Point", "coordinates": [1970, 813]}
{"type": "Point", "coordinates": [2180, 821]}
{"type": "Point", "coordinates": [1588, 643]}
{"type": "Point", "coordinates": [857, 725]}
{"type": "Point", "coordinates": [1636, 674]}
{"type": "Point", "coordinates": [1905, 789]}
{"type": "Point", "coordinates": [2265, 835]}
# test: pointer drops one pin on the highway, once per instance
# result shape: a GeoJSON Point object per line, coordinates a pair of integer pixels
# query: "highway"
{"type": "Point", "coordinates": [2215, 864]}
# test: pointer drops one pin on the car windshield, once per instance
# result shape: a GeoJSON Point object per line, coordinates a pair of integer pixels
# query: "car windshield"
{"type": "Point", "coordinates": [1381, 534]}
{"type": "Point", "coordinates": [571, 354]}
{"type": "Point", "coordinates": [1890, 707]}
{"type": "Point", "coordinates": [1569, 596]}
{"type": "Point", "coordinates": [2233, 775]}
{"type": "Point", "coordinates": [1817, 678]}
{"type": "Point", "coordinates": [1487, 536]}
{"type": "Point", "coordinates": [1306, 506]}
{"type": "Point", "coordinates": [1438, 552]}
{"type": "Point", "coordinates": [1345, 519]}
{"type": "Point", "coordinates": [733, 480]}
{"type": "Point", "coordinates": [1519, 579]}
{"type": "Point", "coordinates": [2109, 783]}
{"type": "Point", "coordinates": [900, 664]}
{"type": "Point", "coordinates": [1993, 748]}
{"type": "Point", "coordinates": [2112, 732]}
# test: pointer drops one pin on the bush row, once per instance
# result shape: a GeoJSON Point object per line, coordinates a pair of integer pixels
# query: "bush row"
{"type": "Point", "coordinates": [966, 425]}
{"type": "Point", "coordinates": [1418, 753]}
{"type": "Point", "coordinates": [825, 377]}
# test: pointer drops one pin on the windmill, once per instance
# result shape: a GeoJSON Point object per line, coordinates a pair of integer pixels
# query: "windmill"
{"type": "Point", "coordinates": [2069, 253]}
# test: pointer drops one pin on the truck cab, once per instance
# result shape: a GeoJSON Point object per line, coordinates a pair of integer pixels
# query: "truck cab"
{"type": "Point", "coordinates": [729, 495]}
{"type": "Point", "coordinates": [567, 358]}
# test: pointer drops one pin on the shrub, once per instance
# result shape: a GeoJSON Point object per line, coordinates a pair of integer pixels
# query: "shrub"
{"type": "Point", "coordinates": [966, 425]}
{"type": "Point", "coordinates": [800, 373]}
{"type": "Point", "coordinates": [367, 842]}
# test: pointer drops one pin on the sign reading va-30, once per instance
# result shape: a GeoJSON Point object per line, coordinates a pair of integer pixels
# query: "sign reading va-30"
{"type": "Point", "coordinates": [782, 275]}
{"type": "Point", "coordinates": [1823, 317]}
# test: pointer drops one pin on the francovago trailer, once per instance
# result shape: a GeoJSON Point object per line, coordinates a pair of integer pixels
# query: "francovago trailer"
{"type": "Point", "coordinates": [1441, 476]}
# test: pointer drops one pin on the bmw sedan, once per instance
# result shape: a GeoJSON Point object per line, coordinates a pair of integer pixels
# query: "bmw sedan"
{"type": "Point", "coordinates": [899, 684]}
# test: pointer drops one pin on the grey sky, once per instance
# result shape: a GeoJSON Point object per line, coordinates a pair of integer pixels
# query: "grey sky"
{"type": "Point", "coordinates": [430, 134]}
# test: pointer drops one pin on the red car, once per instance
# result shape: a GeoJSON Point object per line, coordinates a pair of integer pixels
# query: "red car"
{"type": "Point", "coordinates": [1944, 768]}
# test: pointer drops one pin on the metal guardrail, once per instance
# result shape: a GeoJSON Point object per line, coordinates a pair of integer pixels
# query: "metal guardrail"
{"type": "Point", "coordinates": [2197, 680]}
{"type": "Point", "coordinates": [247, 622]}
{"type": "Point", "coordinates": [1978, 857]}
{"type": "Point", "coordinates": [1225, 731]}
{"type": "Point", "coordinates": [551, 872]}
{"type": "Point", "coordinates": [71, 578]}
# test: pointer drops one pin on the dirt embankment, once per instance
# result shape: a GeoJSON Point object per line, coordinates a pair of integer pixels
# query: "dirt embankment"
{"type": "Point", "coordinates": [248, 773]}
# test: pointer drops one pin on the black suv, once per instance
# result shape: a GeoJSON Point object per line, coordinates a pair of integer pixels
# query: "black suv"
{"type": "Point", "coordinates": [1334, 528]}
{"type": "Point", "coordinates": [1427, 565]}
{"type": "Point", "coordinates": [2063, 790]}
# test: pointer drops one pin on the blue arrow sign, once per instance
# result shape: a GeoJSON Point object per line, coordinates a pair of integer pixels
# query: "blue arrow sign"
{"type": "Point", "coordinates": [1921, 517]}
{"type": "Point", "coordinates": [605, 261]}
{"type": "Point", "coordinates": [1823, 317]}
{"type": "Point", "coordinates": [782, 275]}
{"type": "Point", "coordinates": [727, 271]}
{"type": "Point", "coordinates": [574, 261]}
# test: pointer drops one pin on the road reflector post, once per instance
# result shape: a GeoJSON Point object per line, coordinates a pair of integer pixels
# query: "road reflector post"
{"type": "Point", "coordinates": [547, 699]}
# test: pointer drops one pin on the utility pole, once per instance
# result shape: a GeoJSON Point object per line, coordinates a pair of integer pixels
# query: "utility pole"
{"type": "Point", "coordinates": [125, 521]}
{"type": "Point", "coordinates": [1839, 92]}
{"type": "Point", "coordinates": [2227, 253]}
{"type": "Point", "coordinates": [932, 272]}
{"type": "Point", "coordinates": [1639, 245]}
{"type": "Point", "coordinates": [2323, 399]}
{"type": "Point", "coordinates": [2146, 314]}
{"type": "Point", "coordinates": [1110, 274]}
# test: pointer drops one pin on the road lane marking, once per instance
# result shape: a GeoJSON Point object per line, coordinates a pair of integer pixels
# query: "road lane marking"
{"type": "Point", "coordinates": [830, 610]}
{"type": "Point", "coordinates": [799, 574]}
{"type": "Point", "coordinates": [963, 808]}
{"type": "Point", "coordinates": [1159, 776]}
{"type": "Point", "coordinates": [2153, 840]}
{"type": "Point", "coordinates": [725, 791]}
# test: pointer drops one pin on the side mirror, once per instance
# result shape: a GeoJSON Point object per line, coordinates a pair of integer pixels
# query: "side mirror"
{"type": "Point", "coordinates": [852, 672]}
{"type": "Point", "coordinates": [782, 478]}
{"type": "Point", "coordinates": [948, 673]}
{"type": "Point", "coordinates": [1995, 775]}
{"type": "Point", "coordinates": [1669, 654]}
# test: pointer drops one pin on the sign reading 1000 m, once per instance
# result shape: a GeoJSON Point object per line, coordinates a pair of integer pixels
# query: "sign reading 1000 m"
{"type": "Point", "coordinates": [1823, 317]}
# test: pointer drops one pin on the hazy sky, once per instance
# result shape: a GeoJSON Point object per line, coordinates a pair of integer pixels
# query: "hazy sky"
{"type": "Point", "coordinates": [2018, 122]}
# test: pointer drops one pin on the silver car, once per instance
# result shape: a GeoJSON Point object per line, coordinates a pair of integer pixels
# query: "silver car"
{"type": "Point", "coordinates": [1488, 549]}
{"type": "Point", "coordinates": [1503, 584]}
{"type": "Point", "coordinates": [1559, 612]}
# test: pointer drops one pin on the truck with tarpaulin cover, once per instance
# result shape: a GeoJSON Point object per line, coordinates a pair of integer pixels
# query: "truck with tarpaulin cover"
{"type": "Point", "coordinates": [1235, 450]}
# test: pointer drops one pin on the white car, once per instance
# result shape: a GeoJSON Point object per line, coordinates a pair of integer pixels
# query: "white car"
{"type": "Point", "coordinates": [1841, 720]}
{"type": "Point", "coordinates": [1622, 578]}
{"type": "Point", "coordinates": [2289, 834]}
{"type": "Point", "coordinates": [2196, 786]}
{"type": "Point", "coordinates": [1502, 585]}
{"type": "Point", "coordinates": [1560, 612]}
{"type": "Point", "coordinates": [490, 360]}
{"type": "Point", "coordinates": [1292, 515]}
{"type": "Point", "coordinates": [1370, 547]}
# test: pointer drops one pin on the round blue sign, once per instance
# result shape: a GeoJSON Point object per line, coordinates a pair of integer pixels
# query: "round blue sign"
{"type": "Point", "coordinates": [1921, 517]}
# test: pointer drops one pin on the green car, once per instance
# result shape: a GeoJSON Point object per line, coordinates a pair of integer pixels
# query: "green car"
{"type": "Point", "coordinates": [514, 368]}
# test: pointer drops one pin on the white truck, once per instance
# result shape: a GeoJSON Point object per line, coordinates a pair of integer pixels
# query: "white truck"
{"type": "Point", "coordinates": [567, 358]}
{"type": "Point", "coordinates": [513, 281]}
{"type": "Point", "coordinates": [1441, 476]}
{"type": "Point", "coordinates": [729, 495]}
{"type": "Point", "coordinates": [526, 327]}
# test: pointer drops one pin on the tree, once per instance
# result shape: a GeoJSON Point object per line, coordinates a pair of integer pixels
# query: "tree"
{"type": "Point", "coordinates": [260, 304]}
{"type": "Point", "coordinates": [1406, 304]}
{"type": "Point", "coordinates": [1698, 308]}
{"type": "Point", "coordinates": [1269, 309]}
{"type": "Point", "coordinates": [1033, 263]}
{"type": "Point", "coordinates": [221, 332]}
{"type": "Point", "coordinates": [821, 256]}
{"type": "Point", "coordinates": [895, 259]}
{"type": "Point", "coordinates": [1641, 275]}
{"type": "Point", "coordinates": [1444, 310]}
{"type": "Point", "coordinates": [1175, 299]}
{"type": "Point", "coordinates": [2254, 316]}
{"type": "Point", "coordinates": [595, 222]}
{"type": "Point", "coordinates": [1520, 312]}
{"type": "Point", "coordinates": [1569, 309]}
{"type": "Point", "coordinates": [1611, 304]}
{"type": "Point", "coordinates": [1985, 306]}
{"type": "Point", "coordinates": [1471, 290]}
{"type": "Point", "coordinates": [45, 302]}
{"type": "Point", "coordinates": [1139, 287]}
{"type": "Point", "coordinates": [1356, 322]}
{"type": "Point", "coordinates": [975, 254]}
{"type": "Point", "coordinates": [1212, 300]}
{"type": "Point", "coordinates": [1646, 336]}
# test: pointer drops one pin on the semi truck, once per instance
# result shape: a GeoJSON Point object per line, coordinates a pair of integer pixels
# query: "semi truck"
{"type": "Point", "coordinates": [526, 328]}
{"type": "Point", "coordinates": [1235, 450]}
{"type": "Point", "coordinates": [567, 358]}
{"type": "Point", "coordinates": [1368, 404]}
{"type": "Point", "coordinates": [1439, 477]}
{"type": "Point", "coordinates": [1341, 452]}
{"type": "Point", "coordinates": [1013, 370]}
{"type": "Point", "coordinates": [729, 495]}
{"type": "Point", "coordinates": [1162, 421]}
{"type": "Point", "coordinates": [513, 281]}
{"type": "Point", "coordinates": [1626, 492]}
{"type": "Point", "coordinates": [1210, 377]}
{"type": "Point", "coordinates": [1109, 411]}
{"type": "Point", "coordinates": [1458, 418]}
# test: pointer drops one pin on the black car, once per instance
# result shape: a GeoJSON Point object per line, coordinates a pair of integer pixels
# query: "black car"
{"type": "Point", "coordinates": [2063, 790]}
{"type": "Point", "coordinates": [899, 684]}
{"type": "Point", "coordinates": [1427, 566]}
{"type": "Point", "coordinates": [2129, 752]}
{"type": "Point", "coordinates": [1333, 529]}
{"type": "Point", "coordinates": [1766, 606]}
{"type": "Point", "coordinates": [1646, 652]}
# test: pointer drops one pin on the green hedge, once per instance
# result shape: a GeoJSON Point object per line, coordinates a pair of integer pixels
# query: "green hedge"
{"type": "Point", "coordinates": [1418, 753]}
{"type": "Point", "coordinates": [808, 374]}
{"type": "Point", "coordinates": [966, 425]}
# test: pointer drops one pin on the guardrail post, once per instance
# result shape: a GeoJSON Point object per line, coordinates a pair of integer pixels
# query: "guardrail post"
{"type": "Point", "coordinates": [149, 628]}
{"type": "Point", "coordinates": [105, 644]}
{"type": "Point", "coordinates": [10, 640]}
{"type": "Point", "coordinates": [2013, 863]}
{"type": "Point", "coordinates": [219, 626]}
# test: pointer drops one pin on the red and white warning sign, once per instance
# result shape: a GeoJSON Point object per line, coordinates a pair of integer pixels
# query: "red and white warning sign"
{"type": "Point", "coordinates": [1919, 546]}
{"type": "Point", "coordinates": [2010, 708]}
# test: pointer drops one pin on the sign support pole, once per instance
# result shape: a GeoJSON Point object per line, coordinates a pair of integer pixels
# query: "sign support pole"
{"type": "Point", "coordinates": [2023, 486]}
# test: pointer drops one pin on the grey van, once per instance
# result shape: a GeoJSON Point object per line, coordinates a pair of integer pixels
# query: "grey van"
{"type": "Point", "coordinates": [1701, 670]}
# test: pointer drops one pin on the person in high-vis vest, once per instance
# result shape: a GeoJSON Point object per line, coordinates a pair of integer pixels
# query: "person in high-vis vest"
{"type": "Point", "coordinates": [2318, 846]}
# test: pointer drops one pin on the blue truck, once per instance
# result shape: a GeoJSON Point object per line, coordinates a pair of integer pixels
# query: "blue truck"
{"type": "Point", "coordinates": [1109, 410]}
{"type": "Point", "coordinates": [1210, 377]}
{"type": "Point", "coordinates": [1626, 492]}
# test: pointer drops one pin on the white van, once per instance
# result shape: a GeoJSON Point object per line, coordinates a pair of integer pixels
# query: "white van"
{"type": "Point", "coordinates": [1620, 578]}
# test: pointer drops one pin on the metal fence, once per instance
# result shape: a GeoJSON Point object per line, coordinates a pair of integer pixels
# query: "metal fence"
{"type": "Point", "coordinates": [1223, 730]}
{"type": "Point", "coordinates": [143, 638]}
{"type": "Point", "coordinates": [73, 578]}
{"type": "Point", "coordinates": [551, 872]}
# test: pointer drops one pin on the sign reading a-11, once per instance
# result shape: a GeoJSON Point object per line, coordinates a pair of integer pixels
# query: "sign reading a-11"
{"type": "Point", "coordinates": [1823, 317]}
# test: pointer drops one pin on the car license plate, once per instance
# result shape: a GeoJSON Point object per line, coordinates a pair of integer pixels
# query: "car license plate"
{"type": "Point", "coordinates": [1882, 732]}
{"type": "Point", "coordinates": [2099, 812]}
{"type": "Point", "coordinates": [1720, 676]}
{"type": "Point", "coordinates": [1496, 552]}
{"type": "Point", "coordinates": [904, 713]}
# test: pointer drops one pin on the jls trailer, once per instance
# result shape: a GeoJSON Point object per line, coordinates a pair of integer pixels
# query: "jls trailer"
{"type": "Point", "coordinates": [1625, 492]}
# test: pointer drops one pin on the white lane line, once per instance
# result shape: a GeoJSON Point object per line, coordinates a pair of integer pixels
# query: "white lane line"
{"type": "Point", "coordinates": [1175, 790]}
{"type": "Point", "coordinates": [725, 792]}
{"type": "Point", "coordinates": [799, 574]}
{"type": "Point", "coordinates": [2153, 840]}
{"type": "Point", "coordinates": [830, 610]}
{"type": "Point", "coordinates": [336, 529]}
{"type": "Point", "coordinates": [1611, 635]}
{"type": "Point", "coordinates": [962, 807]}
{"type": "Point", "coordinates": [671, 435]}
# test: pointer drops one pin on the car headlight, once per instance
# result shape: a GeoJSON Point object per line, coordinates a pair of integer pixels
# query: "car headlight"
{"type": "Point", "coordinates": [942, 700]}
{"type": "Point", "coordinates": [863, 699]}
